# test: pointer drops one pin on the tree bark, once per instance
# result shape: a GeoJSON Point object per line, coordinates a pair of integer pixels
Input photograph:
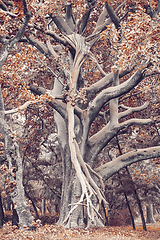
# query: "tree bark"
{"type": "Point", "coordinates": [15, 160]}
{"type": "Point", "coordinates": [149, 211]}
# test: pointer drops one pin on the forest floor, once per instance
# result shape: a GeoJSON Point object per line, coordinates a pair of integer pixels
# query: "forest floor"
{"type": "Point", "coordinates": [49, 232]}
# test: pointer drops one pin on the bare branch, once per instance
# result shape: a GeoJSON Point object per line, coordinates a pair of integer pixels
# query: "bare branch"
{"type": "Point", "coordinates": [99, 140]}
{"type": "Point", "coordinates": [101, 20]}
{"type": "Point", "coordinates": [8, 13]}
{"type": "Point", "coordinates": [98, 86]}
{"type": "Point", "coordinates": [69, 17]}
{"type": "Point", "coordinates": [39, 45]}
{"type": "Point", "coordinates": [60, 107]}
{"type": "Point", "coordinates": [37, 90]}
{"type": "Point", "coordinates": [113, 16]}
{"type": "Point", "coordinates": [24, 106]}
{"type": "Point", "coordinates": [24, 25]}
{"type": "Point", "coordinates": [56, 76]}
{"type": "Point", "coordinates": [62, 25]}
{"type": "Point", "coordinates": [113, 92]}
{"type": "Point", "coordinates": [98, 65]}
{"type": "Point", "coordinates": [3, 6]}
{"type": "Point", "coordinates": [87, 174]}
{"type": "Point", "coordinates": [102, 23]}
{"type": "Point", "coordinates": [1, 101]}
{"type": "Point", "coordinates": [125, 72]}
{"type": "Point", "coordinates": [103, 83]}
{"type": "Point", "coordinates": [113, 104]}
{"type": "Point", "coordinates": [130, 110]}
{"type": "Point", "coordinates": [98, 176]}
{"type": "Point", "coordinates": [51, 50]}
{"type": "Point", "coordinates": [56, 37]}
{"type": "Point", "coordinates": [7, 45]}
{"type": "Point", "coordinates": [110, 168]}
{"type": "Point", "coordinates": [25, 8]}
{"type": "Point", "coordinates": [84, 22]}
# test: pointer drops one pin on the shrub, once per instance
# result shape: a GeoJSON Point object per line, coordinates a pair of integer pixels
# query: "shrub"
{"type": "Point", "coordinates": [119, 218]}
{"type": "Point", "coordinates": [49, 218]}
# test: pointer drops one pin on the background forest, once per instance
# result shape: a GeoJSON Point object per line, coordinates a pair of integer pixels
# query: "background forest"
{"type": "Point", "coordinates": [79, 113]}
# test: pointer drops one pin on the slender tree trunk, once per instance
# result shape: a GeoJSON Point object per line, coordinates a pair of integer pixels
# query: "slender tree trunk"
{"type": "Point", "coordinates": [138, 201]}
{"type": "Point", "coordinates": [43, 206]}
{"type": "Point", "coordinates": [9, 203]}
{"type": "Point", "coordinates": [135, 192]}
{"type": "Point", "coordinates": [1, 212]}
{"type": "Point", "coordinates": [34, 206]}
{"type": "Point", "coordinates": [128, 205]}
{"type": "Point", "coordinates": [35, 209]}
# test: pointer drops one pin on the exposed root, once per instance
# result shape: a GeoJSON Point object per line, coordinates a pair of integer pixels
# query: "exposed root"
{"type": "Point", "coordinates": [88, 176]}
{"type": "Point", "coordinates": [98, 176]}
{"type": "Point", "coordinates": [76, 205]}
{"type": "Point", "coordinates": [89, 187]}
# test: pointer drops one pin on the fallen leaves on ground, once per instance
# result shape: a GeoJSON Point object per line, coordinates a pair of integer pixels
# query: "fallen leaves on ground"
{"type": "Point", "coordinates": [59, 233]}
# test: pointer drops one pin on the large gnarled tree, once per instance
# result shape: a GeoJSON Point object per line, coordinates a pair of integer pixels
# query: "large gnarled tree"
{"type": "Point", "coordinates": [77, 105]}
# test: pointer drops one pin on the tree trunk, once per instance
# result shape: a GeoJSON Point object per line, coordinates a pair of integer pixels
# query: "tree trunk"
{"type": "Point", "coordinates": [67, 185]}
{"type": "Point", "coordinates": [71, 193]}
{"type": "Point", "coordinates": [15, 218]}
{"type": "Point", "coordinates": [149, 211]}
{"type": "Point", "coordinates": [9, 203]}
{"type": "Point", "coordinates": [1, 212]}
{"type": "Point", "coordinates": [34, 206]}
{"type": "Point", "coordinates": [138, 201]}
{"type": "Point", "coordinates": [35, 209]}
{"type": "Point", "coordinates": [128, 205]}
{"type": "Point", "coordinates": [14, 159]}
{"type": "Point", "coordinates": [43, 206]}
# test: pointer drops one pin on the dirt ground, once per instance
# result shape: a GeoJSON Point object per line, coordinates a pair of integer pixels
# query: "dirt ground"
{"type": "Point", "coordinates": [48, 232]}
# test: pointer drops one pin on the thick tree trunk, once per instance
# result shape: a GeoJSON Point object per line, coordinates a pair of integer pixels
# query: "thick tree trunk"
{"type": "Point", "coordinates": [149, 211]}
{"type": "Point", "coordinates": [15, 160]}
{"type": "Point", "coordinates": [71, 191]}
{"type": "Point", "coordinates": [77, 218]}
